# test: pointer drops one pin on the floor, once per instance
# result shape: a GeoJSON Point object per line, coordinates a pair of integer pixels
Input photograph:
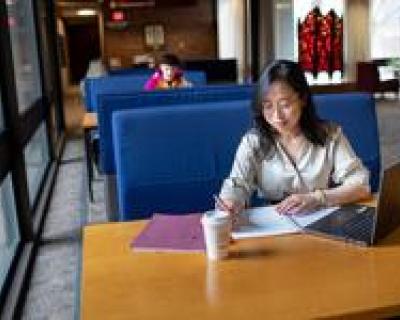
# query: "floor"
{"type": "Point", "coordinates": [54, 290]}
{"type": "Point", "coordinates": [54, 284]}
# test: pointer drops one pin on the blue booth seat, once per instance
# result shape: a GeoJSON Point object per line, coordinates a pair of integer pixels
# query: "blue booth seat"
{"type": "Point", "coordinates": [154, 99]}
{"type": "Point", "coordinates": [356, 113]}
{"type": "Point", "coordinates": [110, 103]}
{"type": "Point", "coordinates": [125, 84]}
{"type": "Point", "coordinates": [172, 159]}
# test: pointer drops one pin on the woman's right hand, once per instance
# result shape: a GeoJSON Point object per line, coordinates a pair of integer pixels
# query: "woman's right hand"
{"type": "Point", "coordinates": [233, 208]}
{"type": "Point", "coordinates": [230, 206]}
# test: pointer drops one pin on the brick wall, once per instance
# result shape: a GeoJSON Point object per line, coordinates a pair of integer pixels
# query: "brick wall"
{"type": "Point", "coordinates": [190, 32]}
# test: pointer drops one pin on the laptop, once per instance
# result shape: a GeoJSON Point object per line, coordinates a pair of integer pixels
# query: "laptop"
{"type": "Point", "coordinates": [365, 225]}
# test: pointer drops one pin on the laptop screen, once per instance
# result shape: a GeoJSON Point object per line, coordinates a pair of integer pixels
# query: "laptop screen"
{"type": "Point", "coordinates": [388, 210]}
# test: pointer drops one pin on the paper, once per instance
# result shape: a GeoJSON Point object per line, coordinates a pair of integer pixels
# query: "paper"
{"type": "Point", "coordinates": [266, 221]}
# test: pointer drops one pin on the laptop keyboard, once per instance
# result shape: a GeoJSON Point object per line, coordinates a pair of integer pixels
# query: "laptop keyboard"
{"type": "Point", "coordinates": [351, 223]}
{"type": "Point", "coordinates": [359, 226]}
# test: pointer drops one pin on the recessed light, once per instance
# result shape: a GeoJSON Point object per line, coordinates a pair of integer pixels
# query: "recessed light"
{"type": "Point", "coordinates": [86, 12]}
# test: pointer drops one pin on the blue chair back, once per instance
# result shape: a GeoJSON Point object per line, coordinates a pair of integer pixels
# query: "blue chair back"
{"type": "Point", "coordinates": [173, 159]}
{"type": "Point", "coordinates": [196, 77]}
{"type": "Point", "coordinates": [118, 84]}
{"type": "Point", "coordinates": [356, 114]}
{"type": "Point", "coordinates": [125, 84]}
{"type": "Point", "coordinates": [161, 98]}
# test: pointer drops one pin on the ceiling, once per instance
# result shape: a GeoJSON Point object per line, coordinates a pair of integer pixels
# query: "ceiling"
{"type": "Point", "coordinates": [68, 8]}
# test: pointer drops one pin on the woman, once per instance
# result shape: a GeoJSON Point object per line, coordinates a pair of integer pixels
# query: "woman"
{"type": "Point", "coordinates": [168, 75]}
{"type": "Point", "coordinates": [293, 158]}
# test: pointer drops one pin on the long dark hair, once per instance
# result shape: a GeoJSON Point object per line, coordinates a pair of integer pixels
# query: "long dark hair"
{"type": "Point", "coordinates": [170, 59]}
{"type": "Point", "coordinates": [289, 72]}
{"type": "Point", "coordinates": [173, 61]}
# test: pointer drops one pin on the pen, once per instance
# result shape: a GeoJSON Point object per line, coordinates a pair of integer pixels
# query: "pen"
{"type": "Point", "coordinates": [220, 203]}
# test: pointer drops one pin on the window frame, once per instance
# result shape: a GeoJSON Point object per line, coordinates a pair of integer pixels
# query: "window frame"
{"type": "Point", "coordinates": [19, 128]}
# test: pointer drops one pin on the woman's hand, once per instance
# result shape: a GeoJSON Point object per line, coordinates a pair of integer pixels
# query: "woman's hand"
{"type": "Point", "coordinates": [298, 203]}
{"type": "Point", "coordinates": [230, 206]}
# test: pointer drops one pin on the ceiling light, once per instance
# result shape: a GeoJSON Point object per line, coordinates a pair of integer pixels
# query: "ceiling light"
{"type": "Point", "coordinates": [86, 12]}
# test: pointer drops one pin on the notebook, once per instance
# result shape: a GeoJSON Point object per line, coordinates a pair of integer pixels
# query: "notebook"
{"type": "Point", "coordinates": [365, 225]}
{"type": "Point", "coordinates": [266, 221]}
{"type": "Point", "coordinates": [178, 233]}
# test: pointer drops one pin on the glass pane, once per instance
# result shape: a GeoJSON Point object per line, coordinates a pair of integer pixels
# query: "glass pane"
{"type": "Point", "coordinates": [36, 155]}
{"type": "Point", "coordinates": [385, 29]}
{"type": "Point", "coordinates": [1, 114]}
{"type": "Point", "coordinates": [284, 30]}
{"type": "Point", "coordinates": [24, 51]}
{"type": "Point", "coordinates": [9, 232]}
{"type": "Point", "coordinates": [45, 47]}
{"type": "Point", "coordinates": [53, 124]}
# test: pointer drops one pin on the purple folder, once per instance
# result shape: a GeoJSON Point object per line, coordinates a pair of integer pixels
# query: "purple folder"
{"type": "Point", "coordinates": [182, 233]}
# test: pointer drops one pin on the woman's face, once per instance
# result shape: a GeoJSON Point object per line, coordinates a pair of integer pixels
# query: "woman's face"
{"type": "Point", "coordinates": [282, 108]}
{"type": "Point", "coordinates": [167, 71]}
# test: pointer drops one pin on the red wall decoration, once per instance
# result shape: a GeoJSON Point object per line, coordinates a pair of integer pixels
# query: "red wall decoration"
{"type": "Point", "coordinates": [320, 40]}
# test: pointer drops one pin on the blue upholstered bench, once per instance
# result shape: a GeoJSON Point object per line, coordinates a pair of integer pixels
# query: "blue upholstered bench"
{"type": "Point", "coordinates": [127, 81]}
{"type": "Point", "coordinates": [109, 103]}
{"type": "Point", "coordinates": [124, 84]}
{"type": "Point", "coordinates": [172, 159]}
{"type": "Point", "coordinates": [356, 113]}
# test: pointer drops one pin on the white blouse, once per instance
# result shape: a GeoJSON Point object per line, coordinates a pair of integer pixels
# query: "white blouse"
{"type": "Point", "coordinates": [275, 176]}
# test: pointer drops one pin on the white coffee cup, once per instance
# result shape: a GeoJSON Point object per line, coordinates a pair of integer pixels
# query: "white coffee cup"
{"type": "Point", "coordinates": [217, 226]}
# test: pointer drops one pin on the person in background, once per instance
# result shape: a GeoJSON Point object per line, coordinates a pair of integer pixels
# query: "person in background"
{"type": "Point", "coordinates": [168, 75]}
{"type": "Point", "coordinates": [295, 160]}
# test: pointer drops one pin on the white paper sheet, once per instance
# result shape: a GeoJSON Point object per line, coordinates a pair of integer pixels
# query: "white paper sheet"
{"type": "Point", "coordinates": [265, 221]}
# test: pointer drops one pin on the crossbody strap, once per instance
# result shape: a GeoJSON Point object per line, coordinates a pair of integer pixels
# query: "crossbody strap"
{"type": "Point", "coordinates": [295, 167]}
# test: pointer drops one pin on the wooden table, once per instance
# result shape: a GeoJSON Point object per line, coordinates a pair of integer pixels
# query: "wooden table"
{"type": "Point", "coordinates": [89, 120]}
{"type": "Point", "coordinates": [89, 123]}
{"type": "Point", "coordinates": [285, 277]}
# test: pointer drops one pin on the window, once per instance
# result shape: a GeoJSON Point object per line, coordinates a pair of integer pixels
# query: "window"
{"type": "Point", "coordinates": [284, 29]}
{"type": "Point", "coordinates": [36, 155]}
{"type": "Point", "coordinates": [24, 146]}
{"type": "Point", "coordinates": [24, 52]}
{"type": "Point", "coordinates": [385, 28]}
{"type": "Point", "coordinates": [1, 114]}
{"type": "Point", "coordinates": [9, 233]}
